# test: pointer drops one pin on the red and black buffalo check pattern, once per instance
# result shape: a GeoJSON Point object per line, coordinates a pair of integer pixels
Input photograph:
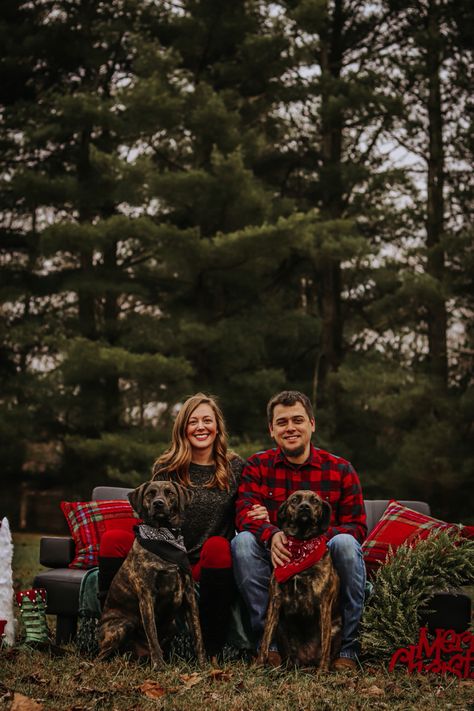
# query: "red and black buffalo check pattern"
{"type": "Point", "coordinates": [269, 478]}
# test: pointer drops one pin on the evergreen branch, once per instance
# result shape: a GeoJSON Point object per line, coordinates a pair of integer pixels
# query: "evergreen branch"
{"type": "Point", "coordinates": [404, 586]}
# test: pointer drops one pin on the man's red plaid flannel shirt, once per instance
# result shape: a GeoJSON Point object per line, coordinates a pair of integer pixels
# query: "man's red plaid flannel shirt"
{"type": "Point", "coordinates": [269, 478]}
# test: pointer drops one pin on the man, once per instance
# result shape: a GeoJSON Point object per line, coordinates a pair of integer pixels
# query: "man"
{"type": "Point", "coordinates": [267, 480]}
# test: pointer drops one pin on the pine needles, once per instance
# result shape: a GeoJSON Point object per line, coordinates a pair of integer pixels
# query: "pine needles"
{"type": "Point", "coordinates": [404, 585]}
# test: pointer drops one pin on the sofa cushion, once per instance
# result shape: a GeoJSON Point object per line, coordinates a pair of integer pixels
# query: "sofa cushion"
{"type": "Point", "coordinates": [374, 509]}
{"type": "Point", "coordinates": [399, 524]}
{"type": "Point", "coordinates": [88, 520]}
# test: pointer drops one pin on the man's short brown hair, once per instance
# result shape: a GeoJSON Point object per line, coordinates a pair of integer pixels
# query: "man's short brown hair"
{"type": "Point", "coordinates": [289, 398]}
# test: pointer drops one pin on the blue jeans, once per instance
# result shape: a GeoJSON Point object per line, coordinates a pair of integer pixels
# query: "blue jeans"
{"type": "Point", "coordinates": [253, 568]}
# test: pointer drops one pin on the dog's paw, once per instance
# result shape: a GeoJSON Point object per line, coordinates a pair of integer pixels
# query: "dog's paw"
{"type": "Point", "coordinates": [258, 661]}
{"type": "Point", "coordinates": [157, 663]}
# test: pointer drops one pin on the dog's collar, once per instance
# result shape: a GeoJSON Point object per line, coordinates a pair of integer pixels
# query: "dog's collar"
{"type": "Point", "coordinates": [304, 554]}
{"type": "Point", "coordinates": [166, 543]}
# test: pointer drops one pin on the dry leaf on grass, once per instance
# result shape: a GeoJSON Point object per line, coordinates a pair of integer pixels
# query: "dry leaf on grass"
{"type": "Point", "coordinates": [119, 688]}
{"type": "Point", "coordinates": [373, 691]}
{"type": "Point", "coordinates": [190, 680]}
{"type": "Point", "coordinates": [220, 675]}
{"type": "Point", "coordinates": [24, 703]}
{"type": "Point", "coordinates": [152, 689]}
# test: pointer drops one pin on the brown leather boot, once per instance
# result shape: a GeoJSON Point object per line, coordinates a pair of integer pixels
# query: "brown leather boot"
{"type": "Point", "coordinates": [344, 664]}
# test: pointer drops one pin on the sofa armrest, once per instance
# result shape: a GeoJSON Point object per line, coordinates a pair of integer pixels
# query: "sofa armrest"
{"type": "Point", "coordinates": [56, 551]}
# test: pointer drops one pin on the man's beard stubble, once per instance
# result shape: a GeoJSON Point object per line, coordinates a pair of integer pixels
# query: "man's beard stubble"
{"type": "Point", "coordinates": [294, 452]}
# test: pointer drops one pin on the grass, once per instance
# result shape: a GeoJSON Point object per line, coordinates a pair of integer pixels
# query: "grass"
{"type": "Point", "coordinates": [25, 559]}
{"type": "Point", "coordinates": [74, 683]}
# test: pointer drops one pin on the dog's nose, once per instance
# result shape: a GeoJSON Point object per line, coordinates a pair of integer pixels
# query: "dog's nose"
{"type": "Point", "coordinates": [159, 503]}
{"type": "Point", "coordinates": [304, 506]}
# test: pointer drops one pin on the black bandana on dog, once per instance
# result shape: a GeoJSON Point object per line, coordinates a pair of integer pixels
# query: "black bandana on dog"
{"type": "Point", "coordinates": [167, 543]}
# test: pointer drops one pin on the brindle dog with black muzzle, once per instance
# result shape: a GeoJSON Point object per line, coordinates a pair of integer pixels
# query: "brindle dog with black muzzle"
{"type": "Point", "coordinates": [304, 611]}
{"type": "Point", "coordinates": [148, 591]}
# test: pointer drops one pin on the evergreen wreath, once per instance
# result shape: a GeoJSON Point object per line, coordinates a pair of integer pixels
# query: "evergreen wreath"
{"type": "Point", "coordinates": [404, 585]}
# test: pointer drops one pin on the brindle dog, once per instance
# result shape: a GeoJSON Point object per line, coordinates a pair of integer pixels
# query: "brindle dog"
{"type": "Point", "coordinates": [304, 610]}
{"type": "Point", "coordinates": [147, 592]}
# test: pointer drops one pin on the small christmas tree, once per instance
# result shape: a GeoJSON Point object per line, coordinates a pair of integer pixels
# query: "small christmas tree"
{"type": "Point", "coordinates": [404, 585]}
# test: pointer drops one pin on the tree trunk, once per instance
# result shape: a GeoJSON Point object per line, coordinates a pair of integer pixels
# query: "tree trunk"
{"type": "Point", "coordinates": [328, 274]}
{"type": "Point", "coordinates": [437, 315]}
{"type": "Point", "coordinates": [111, 311]}
{"type": "Point", "coordinates": [85, 295]}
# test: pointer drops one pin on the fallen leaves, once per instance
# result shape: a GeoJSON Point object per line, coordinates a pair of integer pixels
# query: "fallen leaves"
{"type": "Point", "coordinates": [190, 680]}
{"type": "Point", "coordinates": [24, 703]}
{"type": "Point", "coordinates": [220, 675]}
{"type": "Point", "coordinates": [154, 690]}
{"type": "Point", "coordinates": [373, 691]}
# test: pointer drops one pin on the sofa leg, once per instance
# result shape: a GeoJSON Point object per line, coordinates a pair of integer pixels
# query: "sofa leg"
{"type": "Point", "coordinates": [66, 626]}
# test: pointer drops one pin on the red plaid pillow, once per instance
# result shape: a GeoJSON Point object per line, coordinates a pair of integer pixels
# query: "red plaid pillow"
{"type": "Point", "coordinates": [88, 521]}
{"type": "Point", "coordinates": [398, 525]}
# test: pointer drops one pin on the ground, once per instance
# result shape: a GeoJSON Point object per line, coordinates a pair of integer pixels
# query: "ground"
{"type": "Point", "coordinates": [35, 679]}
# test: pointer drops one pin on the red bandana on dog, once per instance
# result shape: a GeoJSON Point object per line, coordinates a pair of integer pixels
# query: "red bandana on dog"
{"type": "Point", "coordinates": [304, 554]}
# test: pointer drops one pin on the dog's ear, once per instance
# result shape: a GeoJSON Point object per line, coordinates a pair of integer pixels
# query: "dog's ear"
{"type": "Point", "coordinates": [136, 499]}
{"type": "Point", "coordinates": [325, 516]}
{"type": "Point", "coordinates": [281, 515]}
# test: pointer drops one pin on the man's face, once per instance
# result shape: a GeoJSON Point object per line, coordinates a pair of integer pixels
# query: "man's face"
{"type": "Point", "coordinates": [291, 428]}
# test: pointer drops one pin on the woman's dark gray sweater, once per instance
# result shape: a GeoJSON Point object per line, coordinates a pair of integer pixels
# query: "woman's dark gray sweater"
{"type": "Point", "coordinates": [211, 511]}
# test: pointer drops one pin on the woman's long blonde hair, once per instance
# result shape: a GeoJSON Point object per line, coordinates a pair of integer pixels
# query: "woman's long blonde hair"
{"type": "Point", "coordinates": [177, 457]}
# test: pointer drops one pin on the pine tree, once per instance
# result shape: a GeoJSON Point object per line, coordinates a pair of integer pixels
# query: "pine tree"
{"type": "Point", "coordinates": [76, 201]}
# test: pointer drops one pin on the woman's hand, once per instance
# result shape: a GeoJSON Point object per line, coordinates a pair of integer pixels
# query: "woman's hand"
{"type": "Point", "coordinates": [258, 512]}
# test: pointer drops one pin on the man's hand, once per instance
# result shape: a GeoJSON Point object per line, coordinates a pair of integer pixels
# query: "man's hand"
{"type": "Point", "coordinates": [258, 512]}
{"type": "Point", "coordinates": [278, 549]}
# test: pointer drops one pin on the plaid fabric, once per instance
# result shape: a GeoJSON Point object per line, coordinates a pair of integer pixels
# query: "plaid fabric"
{"type": "Point", "coordinates": [269, 478]}
{"type": "Point", "coordinates": [398, 525]}
{"type": "Point", "coordinates": [88, 521]}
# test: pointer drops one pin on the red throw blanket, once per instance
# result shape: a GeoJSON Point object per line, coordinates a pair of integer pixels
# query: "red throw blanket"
{"type": "Point", "coordinates": [304, 554]}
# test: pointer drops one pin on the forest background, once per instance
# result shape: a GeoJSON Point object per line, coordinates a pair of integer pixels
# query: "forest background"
{"type": "Point", "coordinates": [237, 198]}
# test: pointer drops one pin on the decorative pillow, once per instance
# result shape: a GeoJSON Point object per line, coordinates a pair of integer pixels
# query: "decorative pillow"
{"type": "Point", "coordinates": [398, 525]}
{"type": "Point", "coordinates": [88, 521]}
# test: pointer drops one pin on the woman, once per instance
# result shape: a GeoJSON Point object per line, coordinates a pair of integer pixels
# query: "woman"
{"type": "Point", "coordinates": [197, 458]}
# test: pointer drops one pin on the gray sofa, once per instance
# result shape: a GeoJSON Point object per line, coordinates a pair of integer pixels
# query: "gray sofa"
{"type": "Point", "coordinates": [63, 584]}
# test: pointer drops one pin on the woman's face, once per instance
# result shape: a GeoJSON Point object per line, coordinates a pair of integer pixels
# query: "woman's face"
{"type": "Point", "coordinates": [201, 429]}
